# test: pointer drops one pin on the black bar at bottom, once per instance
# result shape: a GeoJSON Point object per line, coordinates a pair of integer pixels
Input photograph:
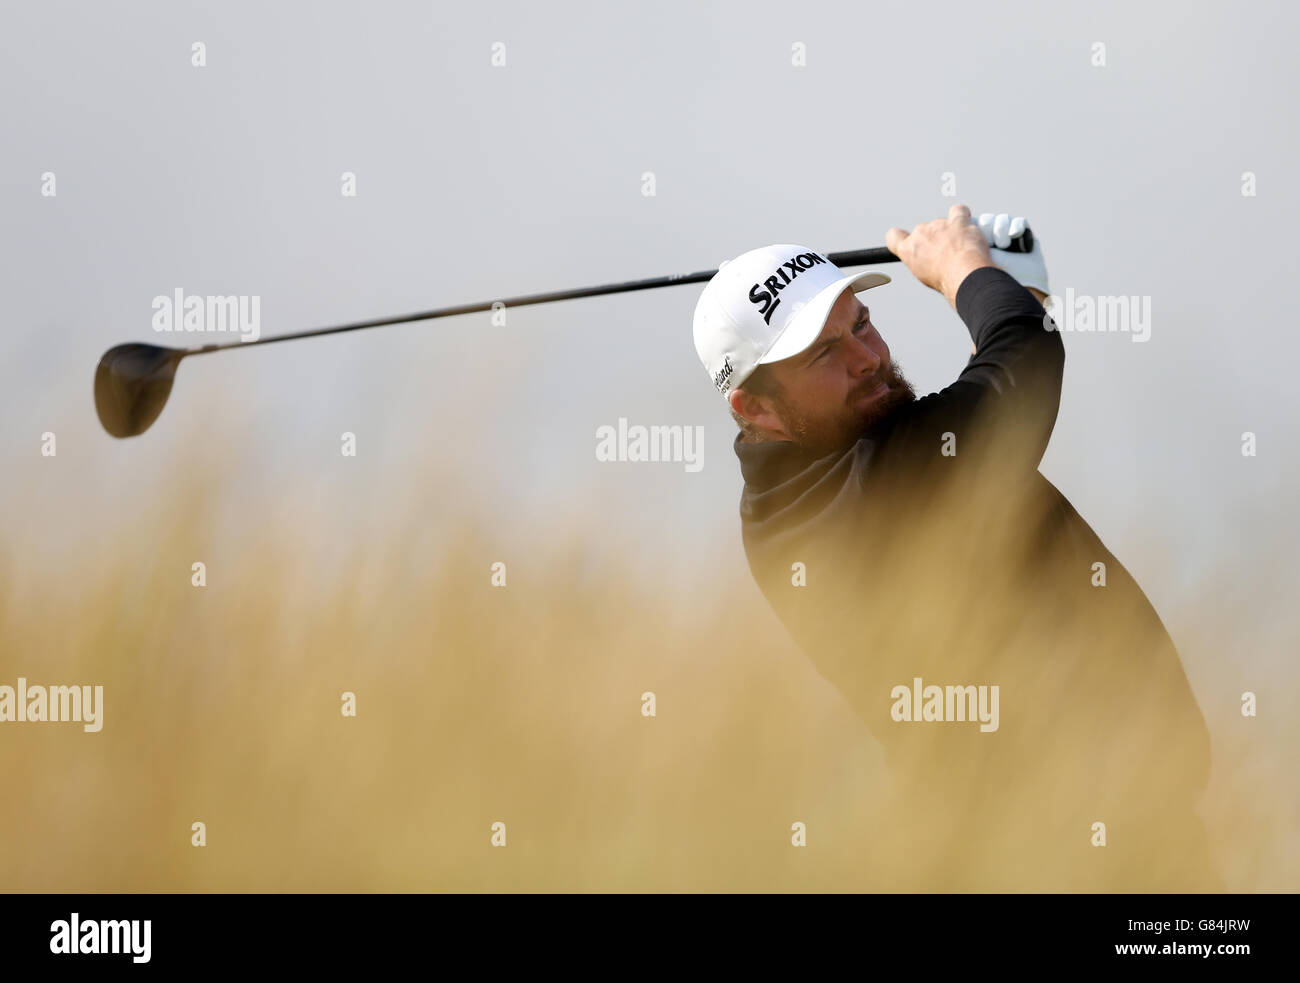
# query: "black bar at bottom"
{"type": "Point", "coordinates": [670, 932]}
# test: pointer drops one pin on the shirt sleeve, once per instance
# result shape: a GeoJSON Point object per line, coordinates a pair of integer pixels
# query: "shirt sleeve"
{"type": "Point", "coordinates": [995, 421]}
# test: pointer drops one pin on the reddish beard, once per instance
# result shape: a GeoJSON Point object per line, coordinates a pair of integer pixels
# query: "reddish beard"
{"type": "Point", "coordinates": [826, 435]}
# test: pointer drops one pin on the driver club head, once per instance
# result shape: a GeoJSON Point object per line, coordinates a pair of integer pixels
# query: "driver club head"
{"type": "Point", "coordinates": [132, 383]}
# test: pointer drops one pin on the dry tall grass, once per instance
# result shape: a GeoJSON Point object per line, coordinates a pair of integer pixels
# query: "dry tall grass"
{"type": "Point", "coordinates": [476, 705]}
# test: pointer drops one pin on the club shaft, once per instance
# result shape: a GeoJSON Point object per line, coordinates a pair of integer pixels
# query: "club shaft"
{"type": "Point", "coordinates": [856, 257]}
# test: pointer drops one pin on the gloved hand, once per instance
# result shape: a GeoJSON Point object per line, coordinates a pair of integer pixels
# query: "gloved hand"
{"type": "Point", "coordinates": [1029, 269]}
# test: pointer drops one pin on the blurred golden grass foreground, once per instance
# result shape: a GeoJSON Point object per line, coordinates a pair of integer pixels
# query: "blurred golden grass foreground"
{"type": "Point", "coordinates": [476, 705]}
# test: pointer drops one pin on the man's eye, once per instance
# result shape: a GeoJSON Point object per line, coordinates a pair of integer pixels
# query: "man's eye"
{"type": "Point", "coordinates": [862, 324]}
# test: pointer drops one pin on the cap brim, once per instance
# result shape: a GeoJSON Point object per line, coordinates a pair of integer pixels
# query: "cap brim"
{"type": "Point", "coordinates": [805, 325]}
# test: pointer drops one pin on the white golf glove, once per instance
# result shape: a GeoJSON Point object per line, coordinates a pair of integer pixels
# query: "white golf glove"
{"type": "Point", "coordinates": [1029, 269]}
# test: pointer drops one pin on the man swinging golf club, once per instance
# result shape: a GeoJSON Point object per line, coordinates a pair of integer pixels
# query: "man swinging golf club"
{"type": "Point", "coordinates": [1034, 712]}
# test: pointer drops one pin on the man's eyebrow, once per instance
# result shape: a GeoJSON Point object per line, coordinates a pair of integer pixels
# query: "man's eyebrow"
{"type": "Point", "coordinates": [819, 347]}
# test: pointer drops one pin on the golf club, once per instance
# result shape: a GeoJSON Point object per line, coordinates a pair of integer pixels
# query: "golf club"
{"type": "Point", "coordinates": [133, 381]}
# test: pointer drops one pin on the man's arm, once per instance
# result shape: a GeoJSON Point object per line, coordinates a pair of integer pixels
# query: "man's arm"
{"type": "Point", "coordinates": [1038, 296]}
{"type": "Point", "coordinates": [1002, 408]}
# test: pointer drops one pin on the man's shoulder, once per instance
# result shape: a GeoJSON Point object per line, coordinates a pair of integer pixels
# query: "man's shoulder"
{"type": "Point", "coordinates": [802, 499]}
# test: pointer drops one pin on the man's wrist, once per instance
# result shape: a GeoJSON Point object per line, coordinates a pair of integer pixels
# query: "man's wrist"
{"type": "Point", "coordinates": [960, 271]}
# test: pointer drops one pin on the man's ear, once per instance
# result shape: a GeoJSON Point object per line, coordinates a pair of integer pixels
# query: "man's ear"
{"type": "Point", "coordinates": [758, 410]}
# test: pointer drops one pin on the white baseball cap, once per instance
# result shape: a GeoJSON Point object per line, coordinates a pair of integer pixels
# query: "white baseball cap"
{"type": "Point", "coordinates": [765, 305]}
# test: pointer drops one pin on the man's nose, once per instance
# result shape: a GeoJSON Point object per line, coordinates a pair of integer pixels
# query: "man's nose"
{"type": "Point", "coordinates": [864, 359]}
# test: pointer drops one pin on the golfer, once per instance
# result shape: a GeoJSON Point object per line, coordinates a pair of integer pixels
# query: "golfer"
{"type": "Point", "coordinates": [1039, 728]}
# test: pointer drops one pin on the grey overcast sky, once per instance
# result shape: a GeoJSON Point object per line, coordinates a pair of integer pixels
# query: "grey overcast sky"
{"type": "Point", "coordinates": [477, 181]}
